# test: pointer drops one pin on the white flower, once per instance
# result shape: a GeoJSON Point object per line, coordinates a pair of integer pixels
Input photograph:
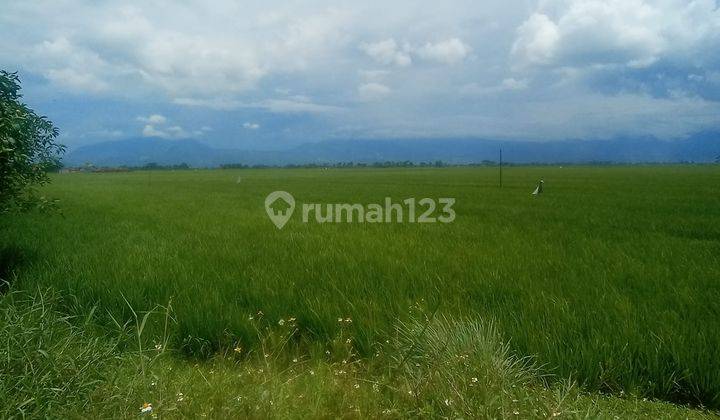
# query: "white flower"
{"type": "Point", "coordinates": [146, 408]}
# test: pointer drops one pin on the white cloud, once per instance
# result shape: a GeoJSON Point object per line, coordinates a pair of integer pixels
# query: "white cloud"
{"type": "Point", "coordinates": [293, 104]}
{"type": "Point", "coordinates": [153, 119]}
{"type": "Point", "coordinates": [202, 131]}
{"type": "Point", "coordinates": [147, 45]}
{"type": "Point", "coordinates": [150, 131]}
{"type": "Point", "coordinates": [388, 52]}
{"type": "Point", "coordinates": [296, 106]}
{"type": "Point", "coordinates": [514, 84]}
{"type": "Point", "coordinates": [172, 132]}
{"type": "Point", "coordinates": [373, 91]}
{"type": "Point", "coordinates": [176, 131]}
{"type": "Point", "coordinates": [251, 126]}
{"type": "Point", "coordinates": [156, 126]}
{"type": "Point", "coordinates": [633, 33]}
{"type": "Point", "coordinates": [105, 134]}
{"type": "Point", "coordinates": [509, 84]}
{"type": "Point", "coordinates": [537, 40]}
{"type": "Point", "coordinates": [315, 63]}
{"type": "Point", "coordinates": [219, 104]}
{"type": "Point", "coordinates": [450, 51]}
{"type": "Point", "coordinates": [373, 75]}
{"type": "Point", "coordinates": [76, 80]}
{"type": "Point", "coordinates": [69, 66]}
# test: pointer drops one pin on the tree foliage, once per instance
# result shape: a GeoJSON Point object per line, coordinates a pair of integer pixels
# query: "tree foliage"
{"type": "Point", "coordinates": [27, 148]}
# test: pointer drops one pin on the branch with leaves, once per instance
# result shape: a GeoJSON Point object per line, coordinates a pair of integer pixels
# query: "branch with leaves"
{"type": "Point", "coordinates": [27, 148]}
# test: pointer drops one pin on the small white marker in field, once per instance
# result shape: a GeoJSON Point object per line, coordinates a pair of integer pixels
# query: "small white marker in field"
{"type": "Point", "coordinates": [539, 188]}
{"type": "Point", "coordinates": [238, 180]}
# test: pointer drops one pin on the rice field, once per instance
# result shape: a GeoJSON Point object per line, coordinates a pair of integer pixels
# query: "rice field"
{"type": "Point", "coordinates": [609, 280]}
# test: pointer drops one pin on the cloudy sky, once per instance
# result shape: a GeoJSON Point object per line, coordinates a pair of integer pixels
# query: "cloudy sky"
{"type": "Point", "coordinates": [269, 75]}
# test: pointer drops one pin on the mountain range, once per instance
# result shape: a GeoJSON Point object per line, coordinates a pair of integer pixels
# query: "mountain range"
{"type": "Point", "coordinates": [701, 147]}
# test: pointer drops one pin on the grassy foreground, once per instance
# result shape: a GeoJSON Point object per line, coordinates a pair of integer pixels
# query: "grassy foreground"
{"type": "Point", "coordinates": [64, 367]}
{"type": "Point", "coordinates": [609, 281]}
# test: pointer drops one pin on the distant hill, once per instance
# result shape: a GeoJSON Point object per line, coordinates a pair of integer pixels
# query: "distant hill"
{"type": "Point", "coordinates": [701, 147]}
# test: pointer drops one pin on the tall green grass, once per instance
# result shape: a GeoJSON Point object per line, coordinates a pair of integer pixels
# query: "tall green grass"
{"type": "Point", "coordinates": [611, 278]}
{"type": "Point", "coordinates": [55, 366]}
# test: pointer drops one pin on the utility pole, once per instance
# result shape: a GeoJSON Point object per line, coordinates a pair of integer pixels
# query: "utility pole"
{"type": "Point", "coordinates": [501, 167]}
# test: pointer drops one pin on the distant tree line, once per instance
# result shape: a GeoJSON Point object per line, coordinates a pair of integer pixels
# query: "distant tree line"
{"type": "Point", "coordinates": [154, 166]}
{"type": "Point", "coordinates": [350, 164]}
{"type": "Point", "coordinates": [90, 167]}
